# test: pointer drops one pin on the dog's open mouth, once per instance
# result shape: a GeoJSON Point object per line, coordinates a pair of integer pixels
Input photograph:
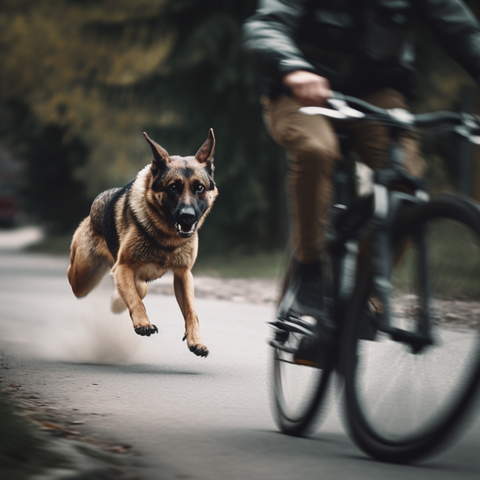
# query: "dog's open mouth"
{"type": "Point", "coordinates": [185, 231]}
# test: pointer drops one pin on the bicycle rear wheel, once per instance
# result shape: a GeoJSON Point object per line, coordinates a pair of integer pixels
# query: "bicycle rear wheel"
{"type": "Point", "coordinates": [400, 405]}
{"type": "Point", "coordinates": [299, 390]}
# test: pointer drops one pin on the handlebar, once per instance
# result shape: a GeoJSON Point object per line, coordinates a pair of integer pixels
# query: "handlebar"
{"type": "Point", "coordinates": [343, 107]}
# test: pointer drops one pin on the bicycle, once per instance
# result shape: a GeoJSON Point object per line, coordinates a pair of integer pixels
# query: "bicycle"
{"type": "Point", "coordinates": [403, 315]}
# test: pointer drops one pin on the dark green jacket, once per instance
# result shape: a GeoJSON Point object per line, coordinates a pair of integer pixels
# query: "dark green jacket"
{"type": "Point", "coordinates": [359, 45]}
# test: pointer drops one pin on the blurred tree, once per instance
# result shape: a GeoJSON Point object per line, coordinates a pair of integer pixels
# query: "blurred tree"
{"type": "Point", "coordinates": [52, 79]}
{"type": "Point", "coordinates": [49, 191]}
{"type": "Point", "coordinates": [441, 84]}
{"type": "Point", "coordinates": [49, 156]}
{"type": "Point", "coordinates": [207, 81]}
{"type": "Point", "coordinates": [93, 74]}
{"type": "Point", "coordinates": [51, 63]}
{"type": "Point", "coordinates": [105, 70]}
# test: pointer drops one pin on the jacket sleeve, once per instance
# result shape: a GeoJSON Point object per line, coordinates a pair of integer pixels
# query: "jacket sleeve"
{"type": "Point", "coordinates": [269, 35]}
{"type": "Point", "coordinates": [456, 29]}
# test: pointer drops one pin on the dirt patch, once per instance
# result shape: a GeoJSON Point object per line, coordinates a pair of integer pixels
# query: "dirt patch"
{"type": "Point", "coordinates": [240, 290]}
{"type": "Point", "coordinates": [457, 314]}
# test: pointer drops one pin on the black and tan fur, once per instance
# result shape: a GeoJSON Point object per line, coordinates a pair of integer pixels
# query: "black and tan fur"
{"type": "Point", "coordinates": [143, 230]}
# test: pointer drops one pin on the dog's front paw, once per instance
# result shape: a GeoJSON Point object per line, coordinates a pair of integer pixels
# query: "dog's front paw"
{"type": "Point", "coordinates": [199, 350]}
{"type": "Point", "coordinates": [146, 330]}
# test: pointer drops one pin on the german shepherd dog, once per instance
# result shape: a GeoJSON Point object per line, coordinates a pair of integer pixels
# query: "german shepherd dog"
{"type": "Point", "coordinates": [143, 230]}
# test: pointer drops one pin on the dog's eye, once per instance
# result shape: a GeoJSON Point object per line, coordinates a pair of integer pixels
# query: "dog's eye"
{"type": "Point", "coordinates": [199, 188]}
{"type": "Point", "coordinates": [173, 187]}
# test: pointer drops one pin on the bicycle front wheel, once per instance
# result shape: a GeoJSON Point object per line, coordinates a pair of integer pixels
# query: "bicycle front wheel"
{"type": "Point", "coordinates": [402, 405]}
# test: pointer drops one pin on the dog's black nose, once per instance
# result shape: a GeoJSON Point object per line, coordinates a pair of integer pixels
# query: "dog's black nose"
{"type": "Point", "coordinates": [187, 215]}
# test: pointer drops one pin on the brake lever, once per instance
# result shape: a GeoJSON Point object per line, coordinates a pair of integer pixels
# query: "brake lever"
{"type": "Point", "coordinates": [340, 110]}
{"type": "Point", "coordinates": [475, 139]}
{"type": "Point", "coordinates": [474, 121]}
{"type": "Point", "coordinates": [464, 132]}
{"type": "Point", "coordinates": [341, 105]}
{"type": "Point", "coordinates": [466, 129]}
{"type": "Point", "coordinates": [325, 112]}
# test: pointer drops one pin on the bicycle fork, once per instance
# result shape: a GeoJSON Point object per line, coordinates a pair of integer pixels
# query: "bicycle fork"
{"type": "Point", "coordinates": [383, 266]}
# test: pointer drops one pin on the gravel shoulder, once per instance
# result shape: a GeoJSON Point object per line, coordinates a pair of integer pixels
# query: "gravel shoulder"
{"type": "Point", "coordinates": [256, 291]}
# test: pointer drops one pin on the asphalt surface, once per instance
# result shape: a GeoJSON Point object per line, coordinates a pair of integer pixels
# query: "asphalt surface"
{"type": "Point", "coordinates": [184, 416]}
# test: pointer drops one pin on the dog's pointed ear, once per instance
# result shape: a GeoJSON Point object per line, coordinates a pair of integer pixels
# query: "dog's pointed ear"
{"type": "Point", "coordinates": [160, 155]}
{"type": "Point", "coordinates": [205, 152]}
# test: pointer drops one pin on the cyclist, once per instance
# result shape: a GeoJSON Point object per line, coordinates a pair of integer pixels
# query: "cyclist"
{"type": "Point", "coordinates": [361, 48]}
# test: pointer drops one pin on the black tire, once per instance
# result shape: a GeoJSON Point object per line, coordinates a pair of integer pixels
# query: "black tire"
{"type": "Point", "coordinates": [299, 390]}
{"type": "Point", "coordinates": [402, 406]}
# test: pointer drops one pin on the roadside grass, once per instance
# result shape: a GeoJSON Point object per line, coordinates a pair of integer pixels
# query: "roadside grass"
{"type": "Point", "coordinates": [26, 452]}
{"type": "Point", "coordinates": [453, 262]}
{"type": "Point", "coordinates": [267, 265]}
{"type": "Point", "coordinates": [264, 265]}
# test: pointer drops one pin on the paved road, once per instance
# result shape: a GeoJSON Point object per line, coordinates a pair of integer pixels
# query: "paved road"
{"type": "Point", "coordinates": [187, 417]}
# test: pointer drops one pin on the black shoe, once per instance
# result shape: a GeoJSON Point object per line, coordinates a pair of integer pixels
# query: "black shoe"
{"type": "Point", "coordinates": [304, 297]}
{"type": "Point", "coordinates": [304, 294]}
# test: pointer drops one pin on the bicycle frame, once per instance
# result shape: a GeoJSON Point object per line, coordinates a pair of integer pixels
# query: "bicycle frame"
{"type": "Point", "coordinates": [375, 216]}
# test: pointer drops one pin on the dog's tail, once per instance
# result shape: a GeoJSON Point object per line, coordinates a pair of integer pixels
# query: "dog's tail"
{"type": "Point", "coordinates": [117, 305]}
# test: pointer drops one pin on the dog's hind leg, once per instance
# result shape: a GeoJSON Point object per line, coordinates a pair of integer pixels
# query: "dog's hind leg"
{"type": "Point", "coordinates": [117, 304]}
{"type": "Point", "coordinates": [184, 292]}
{"type": "Point", "coordinates": [89, 260]}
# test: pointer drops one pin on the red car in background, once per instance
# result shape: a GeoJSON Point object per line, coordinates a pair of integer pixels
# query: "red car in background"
{"type": "Point", "coordinates": [8, 207]}
{"type": "Point", "coordinates": [10, 170]}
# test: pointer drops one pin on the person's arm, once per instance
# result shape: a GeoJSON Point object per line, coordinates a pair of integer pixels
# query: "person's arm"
{"type": "Point", "coordinates": [270, 36]}
{"type": "Point", "coordinates": [456, 29]}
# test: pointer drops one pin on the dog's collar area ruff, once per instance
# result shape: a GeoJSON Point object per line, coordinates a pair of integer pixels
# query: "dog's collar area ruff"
{"type": "Point", "coordinates": [182, 230]}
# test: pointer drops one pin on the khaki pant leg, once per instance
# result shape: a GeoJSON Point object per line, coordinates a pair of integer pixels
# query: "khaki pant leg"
{"type": "Point", "coordinates": [372, 142]}
{"type": "Point", "coordinates": [313, 149]}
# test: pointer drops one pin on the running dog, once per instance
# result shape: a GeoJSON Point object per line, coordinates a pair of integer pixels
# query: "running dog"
{"type": "Point", "coordinates": [144, 229]}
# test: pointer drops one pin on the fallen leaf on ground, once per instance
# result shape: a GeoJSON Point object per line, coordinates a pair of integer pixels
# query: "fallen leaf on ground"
{"type": "Point", "coordinates": [58, 428]}
{"type": "Point", "coordinates": [120, 449]}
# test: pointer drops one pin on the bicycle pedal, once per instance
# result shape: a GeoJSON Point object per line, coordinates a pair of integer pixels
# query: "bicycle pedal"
{"type": "Point", "coordinates": [305, 363]}
{"type": "Point", "coordinates": [309, 353]}
{"type": "Point", "coordinates": [295, 325]}
{"type": "Point", "coordinates": [281, 346]}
